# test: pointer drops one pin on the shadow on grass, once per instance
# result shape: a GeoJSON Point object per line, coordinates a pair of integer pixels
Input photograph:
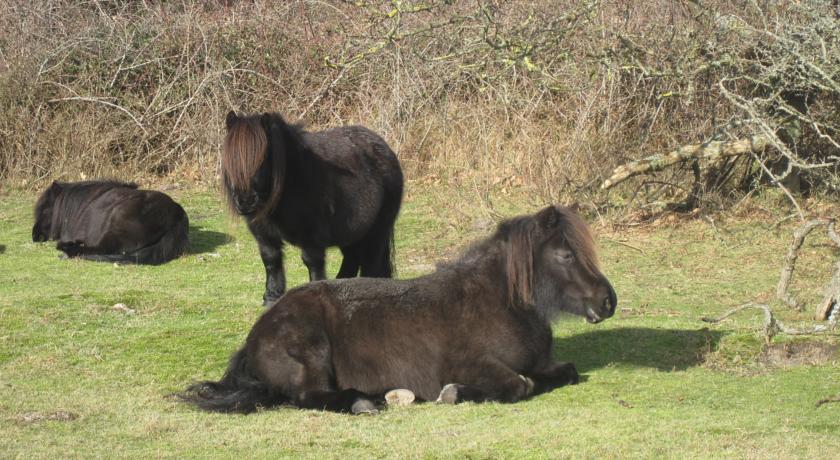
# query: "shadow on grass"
{"type": "Point", "coordinates": [663, 349]}
{"type": "Point", "coordinates": [2, 248]}
{"type": "Point", "coordinates": [206, 240]}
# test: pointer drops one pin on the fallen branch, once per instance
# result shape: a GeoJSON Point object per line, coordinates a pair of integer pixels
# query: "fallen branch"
{"type": "Point", "coordinates": [707, 151]}
{"type": "Point", "coordinates": [829, 308]}
{"type": "Point", "coordinates": [831, 299]}
{"type": "Point", "coordinates": [831, 296]}
{"type": "Point", "coordinates": [790, 260]}
{"type": "Point", "coordinates": [828, 400]}
{"type": "Point", "coordinates": [772, 326]}
{"type": "Point", "coordinates": [625, 244]}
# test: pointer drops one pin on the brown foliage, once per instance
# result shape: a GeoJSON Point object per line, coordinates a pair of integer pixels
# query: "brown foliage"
{"type": "Point", "coordinates": [549, 96]}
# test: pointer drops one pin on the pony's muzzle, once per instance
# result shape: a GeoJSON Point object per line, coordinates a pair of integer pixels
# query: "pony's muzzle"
{"type": "Point", "coordinates": [37, 235]}
{"type": "Point", "coordinates": [606, 309]}
{"type": "Point", "coordinates": [246, 203]}
{"type": "Point", "coordinates": [612, 301]}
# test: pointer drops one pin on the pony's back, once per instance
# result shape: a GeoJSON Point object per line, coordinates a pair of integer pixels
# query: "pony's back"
{"type": "Point", "coordinates": [111, 221]}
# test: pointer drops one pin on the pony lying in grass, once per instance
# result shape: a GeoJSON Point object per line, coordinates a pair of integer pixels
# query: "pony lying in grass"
{"type": "Point", "coordinates": [112, 222]}
{"type": "Point", "coordinates": [476, 329]}
{"type": "Point", "coordinates": [340, 187]}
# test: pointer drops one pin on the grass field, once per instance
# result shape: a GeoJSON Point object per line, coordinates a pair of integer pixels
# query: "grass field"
{"type": "Point", "coordinates": [79, 378]}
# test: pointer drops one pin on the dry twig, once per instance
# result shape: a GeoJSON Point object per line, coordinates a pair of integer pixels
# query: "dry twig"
{"type": "Point", "coordinates": [772, 326]}
{"type": "Point", "coordinates": [828, 400]}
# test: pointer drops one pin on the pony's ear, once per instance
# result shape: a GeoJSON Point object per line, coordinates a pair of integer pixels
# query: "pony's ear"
{"type": "Point", "coordinates": [549, 217]}
{"type": "Point", "coordinates": [230, 119]}
{"type": "Point", "coordinates": [268, 118]}
{"type": "Point", "coordinates": [575, 206]}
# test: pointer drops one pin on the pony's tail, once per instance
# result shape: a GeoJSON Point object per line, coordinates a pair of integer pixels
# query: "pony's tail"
{"type": "Point", "coordinates": [382, 248]}
{"type": "Point", "coordinates": [392, 253]}
{"type": "Point", "coordinates": [394, 205]}
{"type": "Point", "coordinates": [238, 391]}
{"type": "Point", "coordinates": [172, 244]}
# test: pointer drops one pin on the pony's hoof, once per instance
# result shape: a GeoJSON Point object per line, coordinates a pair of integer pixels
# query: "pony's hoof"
{"type": "Point", "coordinates": [448, 395]}
{"type": "Point", "coordinates": [399, 397]}
{"type": "Point", "coordinates": [574, 377]}
{"type": "Point", "coordinates": [363, 407]}
{"type": "Point", "coordinates": [529, 385]}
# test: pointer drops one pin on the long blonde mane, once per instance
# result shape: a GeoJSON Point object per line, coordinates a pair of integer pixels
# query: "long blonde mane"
{"type": "Point", "coordinates": [244, 152]}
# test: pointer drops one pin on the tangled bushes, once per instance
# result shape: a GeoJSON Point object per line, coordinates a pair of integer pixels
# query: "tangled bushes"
{"type": "Point", "coordinates": [549, 96]}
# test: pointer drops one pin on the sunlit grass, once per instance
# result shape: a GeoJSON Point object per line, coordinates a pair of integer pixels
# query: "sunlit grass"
{"type": "Point", "coordinates": [658, 382]}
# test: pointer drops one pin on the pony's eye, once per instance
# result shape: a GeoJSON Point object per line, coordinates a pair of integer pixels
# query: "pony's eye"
{"type": "Point", "coordinates": [565, 256]}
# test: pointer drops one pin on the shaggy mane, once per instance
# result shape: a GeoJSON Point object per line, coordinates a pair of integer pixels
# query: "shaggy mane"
{"type": "Point", "coordinates": [65, 204]}
{"type": "Point", "coordinates": [244, 151]}
{"type": "Point", "coordinates": [251, 140]}
{"type": "Point", "coordinates": [518, 238]}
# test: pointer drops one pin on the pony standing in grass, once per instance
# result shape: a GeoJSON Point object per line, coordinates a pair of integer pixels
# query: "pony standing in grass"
{"type": "Point", "coordinates": [476, 329]}
{"type": "Point", "coordinates": [340, 187]}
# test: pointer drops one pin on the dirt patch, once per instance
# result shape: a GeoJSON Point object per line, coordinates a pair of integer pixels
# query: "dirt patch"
{"type": "Point", "coordinates": [799, 354]}
{"type": "Point", "coordinates": [35, 417]}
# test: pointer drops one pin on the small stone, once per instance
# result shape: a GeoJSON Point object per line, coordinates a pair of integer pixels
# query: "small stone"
{"type": "Point", "coordinates": [121, 307]}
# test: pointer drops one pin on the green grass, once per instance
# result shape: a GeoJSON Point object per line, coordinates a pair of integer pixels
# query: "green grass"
{"type": "Point", "coordinates": [658, 382]}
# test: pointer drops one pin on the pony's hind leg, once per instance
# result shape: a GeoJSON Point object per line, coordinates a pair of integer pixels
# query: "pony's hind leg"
{"type": "Point", "coordinates": [349, 263]}
{"type": "Point", "coordinates": [316, 391]}
{"type": "Point", "coordinates": [314, 259]}
{"type": "Point", "coordinates": [376, 255]}
{"type": "Point", "coordinates": [351, 401]}
{"type": "Point", "coordinates": [554, 375]}
{"type": "Point", "coordinates": [293, 354]}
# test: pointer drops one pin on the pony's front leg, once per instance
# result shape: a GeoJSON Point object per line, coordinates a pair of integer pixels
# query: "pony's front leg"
{"type": "Point", "coordinates": [492, 381]}
{"type": "Point", "coordinates": [553, 375]}
{"type": "Point", "coordinates": [315, 260]}
{"type": "Point", "coordinates": [275, 277]}
{"type": "Point", "coordinates": [71, 248]}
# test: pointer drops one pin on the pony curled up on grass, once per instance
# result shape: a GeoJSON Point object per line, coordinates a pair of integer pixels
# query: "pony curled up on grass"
{"type": "Point", "coordinates": [340, 187]}
{"type": "Point", "coordinates": [476, 329]}
{"type": "Point", "coordinates": [111, 221]}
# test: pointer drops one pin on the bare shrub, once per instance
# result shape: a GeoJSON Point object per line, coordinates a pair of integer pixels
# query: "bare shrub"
{"type": "Point", "coordinates": [548, 97]}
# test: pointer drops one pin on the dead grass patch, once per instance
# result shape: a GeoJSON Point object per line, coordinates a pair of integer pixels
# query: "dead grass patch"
{"type": "Point", "coordinates": [36, 417]}
{"type": "Point", "coordinates": [810, 353]}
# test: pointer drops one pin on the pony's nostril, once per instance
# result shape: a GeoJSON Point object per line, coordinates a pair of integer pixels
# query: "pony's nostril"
{"type": "Point", "coordinates": [246, 201]}
{"type": "Point", "coordinates": [609, 306]}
